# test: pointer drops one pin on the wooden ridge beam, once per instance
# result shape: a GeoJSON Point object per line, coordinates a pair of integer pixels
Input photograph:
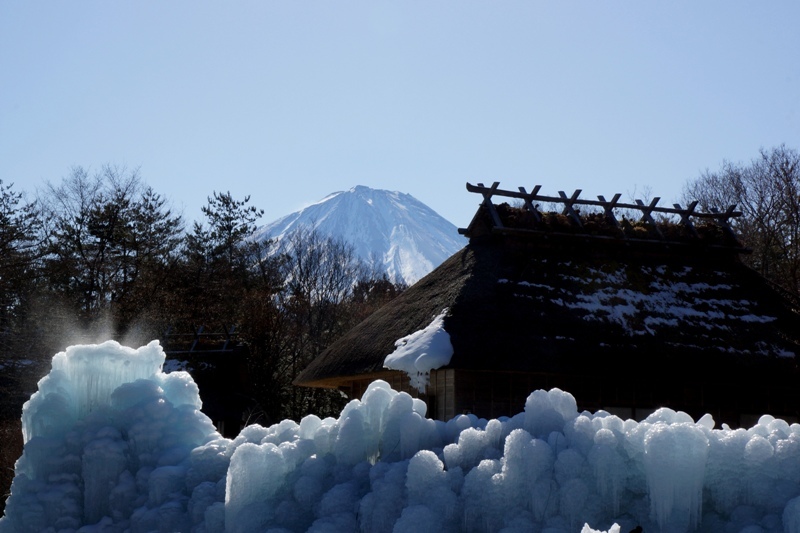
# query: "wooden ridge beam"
{"type": "Point", "coordinates": [686, 216]}
{"type": "Point", "coordinates": [647, 211]}
{"type": "Point", "coordinates": [569, 211]}
{"type": "Point", "coordinates": [608, 206]}
{"type": "Point", "coordinates": [487, 201]}
{"type": "Point", "coordinates": [529, 202]}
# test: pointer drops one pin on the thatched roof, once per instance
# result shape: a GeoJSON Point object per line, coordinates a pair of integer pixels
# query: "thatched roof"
{"type": "Point", "coordinates": [554, 303]}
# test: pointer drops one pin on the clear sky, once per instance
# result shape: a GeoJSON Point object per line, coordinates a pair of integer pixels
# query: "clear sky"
{"type": "Point", "coordinates": [289, 101]}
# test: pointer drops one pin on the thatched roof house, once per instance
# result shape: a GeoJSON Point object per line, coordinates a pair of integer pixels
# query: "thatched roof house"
{"type": "Point", "coordinates": [627, 316]}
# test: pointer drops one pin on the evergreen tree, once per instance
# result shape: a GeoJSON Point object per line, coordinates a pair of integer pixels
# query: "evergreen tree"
{"type": "Point", "coordinates": [108, 232]}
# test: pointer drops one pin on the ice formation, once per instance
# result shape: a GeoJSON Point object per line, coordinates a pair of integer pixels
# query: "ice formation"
{"type": "Point", "coordinates": [422, 351]}
{"type": "Point", "coordinates": [113, 444]}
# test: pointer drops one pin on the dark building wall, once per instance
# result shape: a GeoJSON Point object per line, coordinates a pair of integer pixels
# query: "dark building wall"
{"type": "Point", "coordinates": [490, 394]}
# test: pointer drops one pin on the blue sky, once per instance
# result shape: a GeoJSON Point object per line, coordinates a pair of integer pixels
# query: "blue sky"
{"type": "Point", "coordinates": [289, 101]}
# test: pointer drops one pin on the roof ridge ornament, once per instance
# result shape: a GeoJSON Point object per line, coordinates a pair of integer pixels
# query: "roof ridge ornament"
{"type": "Point", "coordinates": [571, 209]}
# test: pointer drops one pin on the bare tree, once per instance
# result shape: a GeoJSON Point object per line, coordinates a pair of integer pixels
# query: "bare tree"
{"type": "Point", "coordinates": [767, 191]}
{"type": "Point", "coordinates": [320, 273]}
{"type": "Point", "coordinates": [104, 232]}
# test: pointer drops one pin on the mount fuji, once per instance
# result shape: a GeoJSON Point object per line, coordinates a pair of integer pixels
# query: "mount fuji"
{"type": "Point", "coordinates": [390, 230]}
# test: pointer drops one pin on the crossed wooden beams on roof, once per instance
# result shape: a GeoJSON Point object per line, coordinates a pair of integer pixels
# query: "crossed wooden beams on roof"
{"type": "Point", "coordinates": [721, 218]}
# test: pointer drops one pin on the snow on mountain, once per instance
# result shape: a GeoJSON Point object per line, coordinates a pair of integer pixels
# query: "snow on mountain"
{"type": "Point", "coordinates": [392, 230]}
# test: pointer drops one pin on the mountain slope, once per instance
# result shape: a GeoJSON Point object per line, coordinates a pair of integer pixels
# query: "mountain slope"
{"type": "Point", "coordinates": [393, 230]}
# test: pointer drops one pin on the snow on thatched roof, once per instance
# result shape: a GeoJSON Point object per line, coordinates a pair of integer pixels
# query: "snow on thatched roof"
{"type": "Point", "coordinates": [519, 310]}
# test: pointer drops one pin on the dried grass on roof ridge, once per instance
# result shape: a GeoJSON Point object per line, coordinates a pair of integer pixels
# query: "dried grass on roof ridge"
{"type": "Point", "coordinates": [596, 223]}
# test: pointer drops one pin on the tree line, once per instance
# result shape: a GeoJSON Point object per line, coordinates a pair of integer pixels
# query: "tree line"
{"type": "Point", "coordinates": [103, 255]}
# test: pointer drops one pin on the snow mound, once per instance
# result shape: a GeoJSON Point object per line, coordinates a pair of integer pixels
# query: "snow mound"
{"type": "Point", "coordinates": [422, 351]}
{"type": "Point", "coordinates": [113, 444]}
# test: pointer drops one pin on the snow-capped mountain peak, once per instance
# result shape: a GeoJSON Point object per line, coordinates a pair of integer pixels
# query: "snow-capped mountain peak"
{"type": "Point", "coordinates": [395, 230]}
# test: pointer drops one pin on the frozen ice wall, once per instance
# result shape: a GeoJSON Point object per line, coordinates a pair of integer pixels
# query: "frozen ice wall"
{"type": "Point", "coordinates": [112, 442]}
{"type": "Point", "coordinates": [136, 455]}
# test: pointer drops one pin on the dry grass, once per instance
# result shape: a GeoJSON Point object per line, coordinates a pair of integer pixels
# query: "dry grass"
{"type": "Point", "coordinates": [596, 223]}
